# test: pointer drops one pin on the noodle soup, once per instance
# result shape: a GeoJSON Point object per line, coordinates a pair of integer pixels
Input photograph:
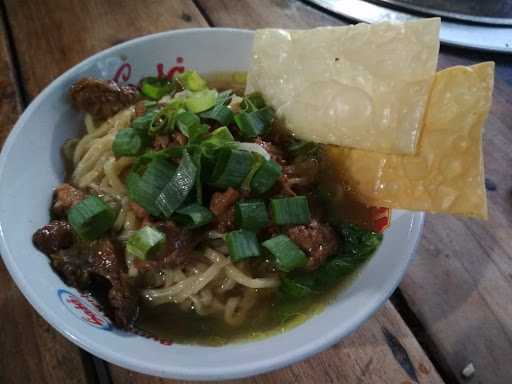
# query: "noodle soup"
{"type": "Point", "coordinates": [191, 215]}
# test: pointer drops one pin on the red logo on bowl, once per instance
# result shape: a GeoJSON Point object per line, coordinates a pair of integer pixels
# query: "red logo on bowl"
{"type": "Point", "coordinates": [124, 72]}
{"type": "Point", "coordinates": [84, 309]}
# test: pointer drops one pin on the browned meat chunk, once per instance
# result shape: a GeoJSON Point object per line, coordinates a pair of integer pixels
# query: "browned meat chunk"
{"type": "Point", "coordinates": [137, 210]}
{"type": "Point", "coordinates": [178, 248]}
{"type": "Point", "coordinates": [140, 108]}
{"type": "Point", "coordinates": [316, 239]}
{"type": "Point", "coordinates": [178, 138]}
{"type": "Point", "coordinates": [102, 98]}
{"type": "Point", "coordinates": [99, 266]}
{"type": "Point", "coordinates": [276, 153]}
{"type": "Point", "coordinates": [226, 222]}
{"type": "Point", "coordinates": [285, 187]}
{"type": "Point", "coordinates": [222, 205]}
{"type": "Point", "coordinates": [64, 197]}
{"type": "Point", "coordinates": [53, 237]}
{"type": "Point", "coordinates": [161, 142]}
{"type": "Point", "coordinates": [222, 201]}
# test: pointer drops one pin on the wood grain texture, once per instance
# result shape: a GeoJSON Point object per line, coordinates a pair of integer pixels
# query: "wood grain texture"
{"type": "Point", "coordinates": [52, 36]}
{"type": "Point", "coordinates": [460, 284]}
{"type": "Point", "coordinates": [366, 357]}
{"type": "Point", "coordinates": [32, 351]}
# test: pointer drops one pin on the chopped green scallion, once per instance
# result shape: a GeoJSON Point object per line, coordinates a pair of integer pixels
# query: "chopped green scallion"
{"type": "Point", "coordinates": [251, 214]}
{"type": "Point", "coordinates": [143, 242]}
{"type": "Point", "coordinates": [290, 210]}
{"type": "Point", "coordinates": [91, 218]}
{"type": "Point", "coordinates": [242, 245]}
{"type": "Point", "coordinates": [287, 254]}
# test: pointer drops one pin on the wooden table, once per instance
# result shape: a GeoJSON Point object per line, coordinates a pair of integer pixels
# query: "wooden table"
{"type": "Point", "coordinates": [454, 306]}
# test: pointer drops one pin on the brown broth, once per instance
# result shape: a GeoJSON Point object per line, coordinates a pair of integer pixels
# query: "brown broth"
{"type": "Point", "coordinates": [270, 315]}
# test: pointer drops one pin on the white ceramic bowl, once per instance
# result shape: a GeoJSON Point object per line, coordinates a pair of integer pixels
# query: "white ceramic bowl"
{"type": "Point", "coordinates": [31, 166]}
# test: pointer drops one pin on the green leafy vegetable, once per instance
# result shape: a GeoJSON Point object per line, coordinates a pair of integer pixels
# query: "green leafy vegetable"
{"type": "Point", "coordinates": [358, 245]}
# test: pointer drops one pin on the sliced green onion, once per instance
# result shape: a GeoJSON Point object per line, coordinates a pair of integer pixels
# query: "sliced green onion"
{"type": "Point", "coordinates": [149, 104]}
{"type": "Point", "coordinates": [219, 113]}
{"type": "Point", "coordinates": [177, 189]}
{"type": "Point", "coordinates": [141, 123]}
{"type": "Point", "coordinates": [224, 97]}
{"type": "Point", "coordinates": [287, 254]}
{"type": "Point", "coordinates": [302, 148]}
{"type": "Point", "coordinates": [144, 190]}
{"type": "Point", "coordinates": [155, 88]}
{"type": "Point", "coordinates": [251, 214]}
{"type": "Point", "coordinates": [91, 218]}
{"type": "Point", "coordinates": [252, 102]}
{"type": "Point", "coordinates": [194, 215]}
{"type": "Point", "coordinates": [201, 101]}
{"type": "Point", "coordinates": [128, 142]}
{"type": "Point", "coordinates": [192, 81]}
{"type": "Point", "coordinates": [242, 244]}
{"type": "Point", "coordinates": [265, 177]}
{"type": "Point", "coordinates": [290, 210]}
{"type": "Point", "coordinates": [255, 123]}
{"type": "Point", "coordinates": [219, 138]}
{"type": "Point", "coordinates": [231, 168]}
{"type": "Point", "coordinates": [144, 241]}
{"type": "Point", "coordinates": [196, 158]}
{"type": "Point", "coordinates": [150, 155]}
{"type": "Point", "coordinates": [189, 124]}
{"type": "Point", "coordinates": [256, 164]}
{"type": "Point", "coordinates": [186, 120]}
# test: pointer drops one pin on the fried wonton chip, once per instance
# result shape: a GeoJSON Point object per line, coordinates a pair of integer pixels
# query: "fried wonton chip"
{"type": "Point", "coordinates": [363, 86]}
{"type": "Point", "coordinates": [446, 174]}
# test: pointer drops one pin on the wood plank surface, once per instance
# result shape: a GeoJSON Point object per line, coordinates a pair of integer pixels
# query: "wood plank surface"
{"type": "Point", "coordinates": [31, 350]}
{"type": "Point", "coordinates": [52, 36]}
{"type": "Point", "coordinates": [459, 288]}
{"type": "Point", "coordinates": [371, 355]}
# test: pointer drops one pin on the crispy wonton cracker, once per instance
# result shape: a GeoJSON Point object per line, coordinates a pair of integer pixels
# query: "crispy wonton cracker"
{"type": "Point", "coordinates": [362, 86]}
{"type": "Point", "coordinates": [446, 174]}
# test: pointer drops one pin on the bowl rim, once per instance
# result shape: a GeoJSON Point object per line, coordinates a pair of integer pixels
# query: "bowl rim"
{"type": "Point", "coordinates": [104, 352]}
